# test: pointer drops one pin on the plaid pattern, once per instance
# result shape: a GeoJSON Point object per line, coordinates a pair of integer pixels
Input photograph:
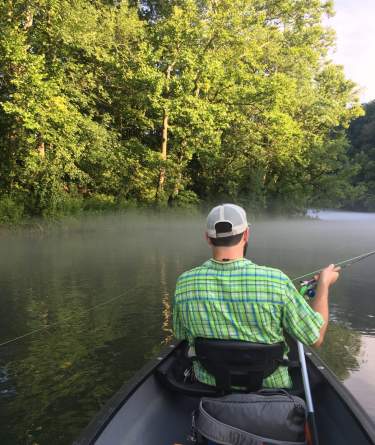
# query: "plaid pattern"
{"type": "Point", "coordinates": [241, 300]}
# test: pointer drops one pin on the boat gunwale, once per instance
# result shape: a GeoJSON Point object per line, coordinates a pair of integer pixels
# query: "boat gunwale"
{"type": "Point", "coordinates": [100, 421]}
{"type": "Point", "coordinates": [359, 413]}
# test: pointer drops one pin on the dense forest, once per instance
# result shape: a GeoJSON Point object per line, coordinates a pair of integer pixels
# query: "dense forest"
{"type": "Point", "coordinates": [110, 104]}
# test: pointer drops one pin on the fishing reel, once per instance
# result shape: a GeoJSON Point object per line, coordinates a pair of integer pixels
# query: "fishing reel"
{"type": "Point", "coordinates": [308, 288]}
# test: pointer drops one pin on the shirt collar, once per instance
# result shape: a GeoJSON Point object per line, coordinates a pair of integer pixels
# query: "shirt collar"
{"type": "Point", "coordinates": [227, 265]}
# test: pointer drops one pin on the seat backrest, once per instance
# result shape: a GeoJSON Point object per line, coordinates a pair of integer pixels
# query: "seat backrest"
{"type": "Point", "coordinates": [236, 363]}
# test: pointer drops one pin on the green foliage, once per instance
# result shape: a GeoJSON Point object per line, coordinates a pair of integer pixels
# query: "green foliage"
{"type": "Point", "coordinates": [99, 203]}
{"type": "Point", "coordinates": [362, 137]}
{"type": "Point", "coordinates": [11, 211]}
{"type": "Point", "coordinates": [186, 199]}
{"type": "Point", "coordinates": [243, 91]}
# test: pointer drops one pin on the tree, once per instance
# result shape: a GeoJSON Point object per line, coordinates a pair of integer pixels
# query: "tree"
{"type": "Point", "coordinates": [74, 93]}
{"type": "Point", "coordinates": [280, 99]}
{"type": "Point", "coordinates": [361, 134]}
{"type": "Point", "coordinates": [171, 101]}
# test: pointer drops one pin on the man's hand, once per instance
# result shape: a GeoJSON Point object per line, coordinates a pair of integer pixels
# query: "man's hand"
{"type": "Point", "coordinates": [325, 278]}
{"type": "Point", "coordinates": [328, 276]}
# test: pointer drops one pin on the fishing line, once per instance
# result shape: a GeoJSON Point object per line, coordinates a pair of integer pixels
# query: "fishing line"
{"type": "Point", "coordinates": [103, 303]}
{"type": "Point", "coordinates": [343, 264]}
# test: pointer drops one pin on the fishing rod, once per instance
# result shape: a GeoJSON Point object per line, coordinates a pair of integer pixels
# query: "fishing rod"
{"type": "Point", "coordinates": [308, 286]}
{"type": "Point", "coordinates": [308, 289]}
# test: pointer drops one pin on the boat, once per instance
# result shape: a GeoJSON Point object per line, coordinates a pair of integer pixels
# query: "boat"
{"type": "Point", "coordinates": [151, 409]}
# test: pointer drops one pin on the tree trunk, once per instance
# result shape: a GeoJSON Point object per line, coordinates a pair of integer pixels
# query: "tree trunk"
{"type": "Point", "coordinates": [164, 140]}
{"type": "Point", "coordinates": [163, 152]}
{"type": "Point", "coordinates": [29, 20]}
{"type": "Point", "coordinates": [176, 189]}
{"type": "Point", "coordinates": [178, 183]}
{"type": "Point", "coordinates": [41, 149]}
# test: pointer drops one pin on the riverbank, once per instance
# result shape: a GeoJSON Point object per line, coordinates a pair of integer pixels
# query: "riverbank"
{"type": "Point", "coordinates": [14, 218]}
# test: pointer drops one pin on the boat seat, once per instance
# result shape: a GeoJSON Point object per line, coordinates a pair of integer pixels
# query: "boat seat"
{"type": "Point", "coordinates": [172, 375]}
{"type": "Point", "coordinates": [238, 366]}
{"type": "Point", "coordinates": [236, 363]}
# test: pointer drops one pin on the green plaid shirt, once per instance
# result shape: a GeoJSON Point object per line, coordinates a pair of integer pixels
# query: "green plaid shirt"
{"type": "Point", "coordinates": [241, 300]}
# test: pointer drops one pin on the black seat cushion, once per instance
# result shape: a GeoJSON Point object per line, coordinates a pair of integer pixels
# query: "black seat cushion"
{"type": "Point", "coordinates": [237, 363]}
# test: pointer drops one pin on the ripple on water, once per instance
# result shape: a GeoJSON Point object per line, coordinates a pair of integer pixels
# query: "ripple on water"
{"type": "Point", "coordinates": [6, 389]}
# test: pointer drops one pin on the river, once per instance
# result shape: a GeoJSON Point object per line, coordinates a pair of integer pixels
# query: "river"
{"type": "Point", "coordinates": [94, 297]}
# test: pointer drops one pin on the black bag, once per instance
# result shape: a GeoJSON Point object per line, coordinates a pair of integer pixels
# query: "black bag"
{"type": "Point", "coordinates": [265, 417]}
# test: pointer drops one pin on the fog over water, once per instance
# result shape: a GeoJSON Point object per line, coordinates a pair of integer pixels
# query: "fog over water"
{"type": "Point", "coordinates": [52, 382]}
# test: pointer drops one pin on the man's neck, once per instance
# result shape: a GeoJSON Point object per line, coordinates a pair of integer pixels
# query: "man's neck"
{"type": "Point", "coordinates": [226, 254]}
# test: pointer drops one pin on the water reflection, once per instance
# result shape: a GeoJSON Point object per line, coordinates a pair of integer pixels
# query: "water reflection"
{"type": "Point", "coordinates": [341, 349]}
{"type": "Point", "coordinates": [166, 303]}
{"type": "Point", "coordinates": [62, 368]}
{"type": "Point", "coordinates": [70, 370]}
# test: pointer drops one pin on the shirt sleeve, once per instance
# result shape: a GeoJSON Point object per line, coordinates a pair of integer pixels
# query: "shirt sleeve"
{"type": "Point", "coordinates": [299, 319]}
{"type": "Point", "coordinates": [178, 327]}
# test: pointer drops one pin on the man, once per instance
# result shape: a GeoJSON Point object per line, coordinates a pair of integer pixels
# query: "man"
{"type": "Point", "coordinates": [229, 297]}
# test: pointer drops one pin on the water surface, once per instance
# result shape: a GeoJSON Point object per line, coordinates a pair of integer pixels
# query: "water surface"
{"type": "Point", "coordinates": [105, 287]}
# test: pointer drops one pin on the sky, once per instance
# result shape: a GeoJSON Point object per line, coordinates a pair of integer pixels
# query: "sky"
{"type": "Point", "coordinates": [354, 23]}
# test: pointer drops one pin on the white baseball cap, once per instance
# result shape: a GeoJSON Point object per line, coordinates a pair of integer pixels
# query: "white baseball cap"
{"type": "Point", "coordinates": [228, 213]}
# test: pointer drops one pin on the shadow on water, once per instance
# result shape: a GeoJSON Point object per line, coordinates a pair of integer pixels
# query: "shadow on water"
{"type": "Point", "coordinates": [53, 382]}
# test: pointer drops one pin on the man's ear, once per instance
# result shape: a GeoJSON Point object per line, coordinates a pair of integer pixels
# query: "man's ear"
{"type": "Point", "coordinates": [208, 239]}
{"type": "Point", "coordinates": [246, 235]}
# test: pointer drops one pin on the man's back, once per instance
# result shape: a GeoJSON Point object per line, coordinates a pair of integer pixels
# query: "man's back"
{"type": "Point", "coordinates": [241, 300]}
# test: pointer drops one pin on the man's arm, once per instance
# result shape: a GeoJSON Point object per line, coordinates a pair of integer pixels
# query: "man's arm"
{"type": "Point", "coordinates": [326, 278]}
{"type": "Point", "coordinates": [308, 322]}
